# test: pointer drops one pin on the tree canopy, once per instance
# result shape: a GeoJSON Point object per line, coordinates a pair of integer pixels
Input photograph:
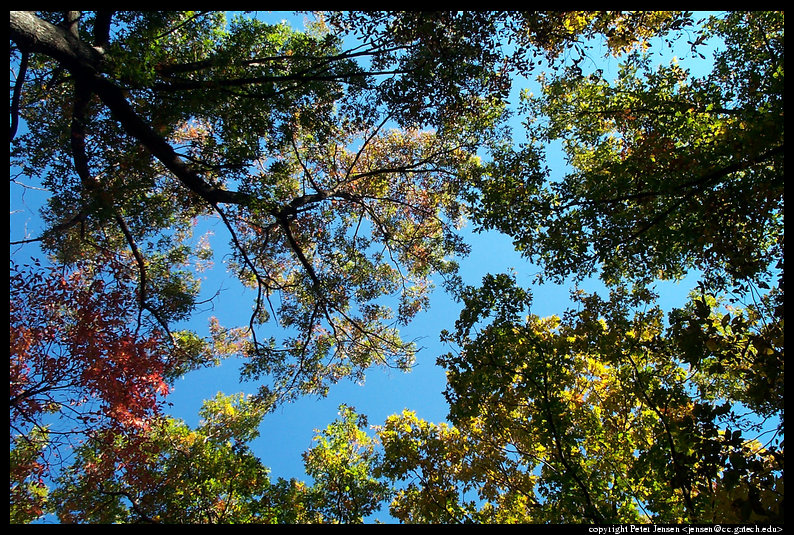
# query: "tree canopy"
{"type": "Point", "coordinates": [341, 160]}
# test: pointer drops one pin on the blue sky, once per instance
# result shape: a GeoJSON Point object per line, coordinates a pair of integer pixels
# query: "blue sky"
{"type": "Point", "coordinates": [288, 432]}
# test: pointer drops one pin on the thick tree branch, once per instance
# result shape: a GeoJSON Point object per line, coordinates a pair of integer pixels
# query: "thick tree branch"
{"type": "Point", "coordinates": [113, 97]}
{"type": "Point", "coordinates": [71, 20]}
{"type": "Point", "coordinates": [102, 23]}
{"type": "Point", "coordinates": [34, 35]}
{"type": "Point", "coordinates": [15, 98]}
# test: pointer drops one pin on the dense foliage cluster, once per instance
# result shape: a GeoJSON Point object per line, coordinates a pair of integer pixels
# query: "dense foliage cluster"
{"type": "Point", "coordinates": [341, 160]}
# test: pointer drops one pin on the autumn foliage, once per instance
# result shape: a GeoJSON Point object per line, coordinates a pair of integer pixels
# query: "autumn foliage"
{"type": "Point", "coordinates": [340, 162]}
{"type": "Point", "coordinates": [79, 363]}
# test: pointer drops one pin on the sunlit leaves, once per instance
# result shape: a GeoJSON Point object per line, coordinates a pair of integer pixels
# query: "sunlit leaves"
{"type": "Point", "coordinates": [170, 473]}
{"type": "Point", "coordinates": [623, 418]}
{"type": "Point", "coordinates": [341, 463]}
{"type": "Point", "coordinates": [556, 31]}
{"type": "Point", "coordinates": [27, 470]}
{"type": "Point", "coordinates": [367, 225]}
{"type": "Point", "coordinates": [429, 464]}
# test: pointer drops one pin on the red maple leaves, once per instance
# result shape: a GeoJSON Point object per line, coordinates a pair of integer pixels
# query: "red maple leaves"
{"type": "Point", "coordinates": [79, 351]}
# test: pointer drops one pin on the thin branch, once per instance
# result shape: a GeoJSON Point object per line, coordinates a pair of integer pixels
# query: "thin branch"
{"type": "Point", "coordinates": [193, 66]}
{"type": "Point", "coordinates": [141, 269]}
{"type": "Point", "coordinates": [181, 85]}
{"type": "Point", "coordinates": [135, 506]}
{"type": "Point", "coordinates": [674, 456]}
{"type": "Point", "coordinates": [182, 24]}
{"type": "Point", "coordinates": [364, 146]}
{"type": "Point", "coordinates": [684, 190]}
{"type": "Point", "coordinates": [296, 248]}
{"type": "Point", "coordinates": [594, 513]}
{"type": "Point", "coordinates": [302, 164]}
{"type": "Point", "coordinates": [249, 263]}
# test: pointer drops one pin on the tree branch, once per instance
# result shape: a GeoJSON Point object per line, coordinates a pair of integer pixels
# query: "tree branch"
{"type": "Point", "coordinates": [32, 34]}
{"type": "Point", "coordinates": [296, 248]}
{"type": "Point", "coordinates": [23, 66]}
{"type": "Point", "coordinates": [102, 22]}
{"type": "Point", "coordinates": [35, 35]}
